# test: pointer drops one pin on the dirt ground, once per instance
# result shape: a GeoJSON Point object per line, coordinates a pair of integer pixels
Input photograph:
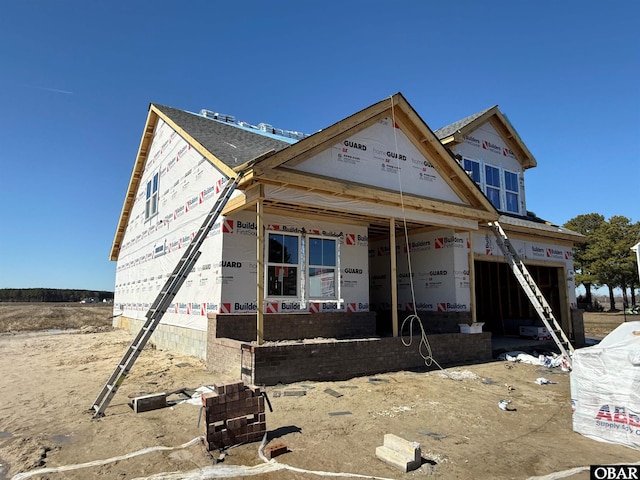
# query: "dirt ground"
{"type": "Point", "coordinates": [50, 379]}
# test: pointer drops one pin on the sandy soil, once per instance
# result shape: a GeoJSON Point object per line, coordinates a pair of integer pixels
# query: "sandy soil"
{"type": "Point", "coordinates": [49, 381]}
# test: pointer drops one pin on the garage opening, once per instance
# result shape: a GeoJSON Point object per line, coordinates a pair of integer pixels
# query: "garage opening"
{"type": "Point", "coordinates": [502, 304]}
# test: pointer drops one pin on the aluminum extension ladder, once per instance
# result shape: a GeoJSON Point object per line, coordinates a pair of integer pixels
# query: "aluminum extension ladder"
{"type": "Point", "coordinates": [162, 301]}
{"type": "Point", "coordinates": [533, 292]}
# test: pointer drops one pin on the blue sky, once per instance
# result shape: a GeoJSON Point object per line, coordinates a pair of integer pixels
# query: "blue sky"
{"type": "Point", "coordinates": [77, 79]}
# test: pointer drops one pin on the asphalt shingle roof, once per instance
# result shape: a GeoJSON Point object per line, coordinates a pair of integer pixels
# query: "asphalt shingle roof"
{"type": "Point", "coordinates": [455, 126]}
{"type": "Point", "coordinates": [230, 143]}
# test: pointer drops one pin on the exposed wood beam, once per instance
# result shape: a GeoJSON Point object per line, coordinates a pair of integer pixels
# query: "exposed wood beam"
{"type": "Point", "coordinates": [357, 191]}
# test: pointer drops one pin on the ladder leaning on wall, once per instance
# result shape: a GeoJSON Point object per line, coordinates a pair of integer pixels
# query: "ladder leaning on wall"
{"type": "Point", "coordinates": [162, 301]}
{"type": "Point", "coordinates": [533, 292]}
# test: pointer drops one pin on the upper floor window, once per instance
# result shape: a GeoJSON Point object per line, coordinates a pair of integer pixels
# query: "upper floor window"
{"type": "Point", "coordinates": [151, 202]}
{"type": "Point", "coordinates": [511, 191]}
{"type": "Point", "coordinates": [473, 168]}
{"type": "Point", "coordinates": [492, 178]}
{"type": "Point", "coordinates": [322, 267]}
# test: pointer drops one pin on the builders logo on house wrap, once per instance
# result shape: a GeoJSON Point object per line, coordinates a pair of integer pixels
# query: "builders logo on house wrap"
{"type": "Point", "coordinates": [331, 306]}
{"type": "Point", "coordinates": [554, 253]}
{"type": "Point", "coordinates": [350, 239]}
{"type": "Point", "coordinates": [449, 242]}
{"type": "Point", "coordinates": [211, 307]}
{"type": "Point", "coordinates": [314, 307]}
{"type": "Point", "coordinates": [568, 255]}
{"type": "Point", "coordinates": [178, 212]}
{"type": "Point", "coordinates": [245, 307]}
{"type": "Point", "coordinates": [219, 185]}
{"type": "Point", "coordinates": [538, 251]}
{"type": "Point", "coordinates": [182, 308]}
{"type": "Point", "coordinates": [471, 140]}
{"type": "Point", "coordinates": [452, 307]}
{"type": "Point", "coordinates": [206, 194]}
{"type": "Point", "coordinates": [420, 306]}
{"type": "Point", "coordinates": [506, 152]}
{"type": "Point", "coordinates": [224, 308]}
{"type": "Point", "coordinates": [272, 307]}
{"type": "Point", "coordinates": [417, 246]}
{"type": "Point", "coordinates": [227, 225]}
{"type": "Point", "coordinates": [492, 147]}
{"type": "Point", "coordinates": [286, 228]}
{"type": "Point", "coordinates": [192, 202]}
{"type": "Point", "coordinates": [352, 307]}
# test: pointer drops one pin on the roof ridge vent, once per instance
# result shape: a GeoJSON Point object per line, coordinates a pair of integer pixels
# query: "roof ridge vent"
{"type": "Point", "coordinates": [263, 127]}
{"type": "Point", "coordinates": [217, 116]}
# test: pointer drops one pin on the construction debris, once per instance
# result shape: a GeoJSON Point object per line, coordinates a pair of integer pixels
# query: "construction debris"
{"type": "Point", "coordinates": [400, 453]}
{"type": "Point", "coordinates": [233, 414]}
{"type": "Point", "coordinates": [276, 450]}
{"type": "Point", "coordinates": [146, 403]}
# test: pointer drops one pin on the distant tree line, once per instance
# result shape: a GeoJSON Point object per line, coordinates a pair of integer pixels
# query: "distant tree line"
{"type": "Point", "coordinates": [606, 258]}
{"type": "Point", "coordinates": [52, 295]}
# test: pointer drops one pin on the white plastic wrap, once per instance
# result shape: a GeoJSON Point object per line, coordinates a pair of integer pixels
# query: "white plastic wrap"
{"type": "Point", "coordinates": [605, 388]}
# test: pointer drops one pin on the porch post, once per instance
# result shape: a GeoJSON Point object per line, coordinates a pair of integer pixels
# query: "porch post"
{"type": "Point", "coordinates": [394, 276]}
{"type": "Point", "coordinates": [472, 279]}
{"type": "Point", "coordinates": [260, 272]}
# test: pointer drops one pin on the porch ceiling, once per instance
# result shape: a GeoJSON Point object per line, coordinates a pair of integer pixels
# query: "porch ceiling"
{"type": "Point", "coordinates": [378, 226]}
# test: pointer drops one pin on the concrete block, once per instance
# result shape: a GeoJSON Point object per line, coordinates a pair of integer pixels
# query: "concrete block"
{"type": "Point", "coordinates": [399, 452]}
{"type": "Point", "coordinates": [146, 403]}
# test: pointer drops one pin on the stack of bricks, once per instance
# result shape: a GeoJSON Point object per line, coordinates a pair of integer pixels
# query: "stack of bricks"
{"type": "Point", "coordinates": [233, 414]}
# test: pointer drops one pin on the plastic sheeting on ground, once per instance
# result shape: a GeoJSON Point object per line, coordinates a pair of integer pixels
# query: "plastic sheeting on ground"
{"type": "Point", "coordinates": [549, 361]}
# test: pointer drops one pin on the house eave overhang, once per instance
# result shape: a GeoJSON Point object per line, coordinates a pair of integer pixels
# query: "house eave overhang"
{"type": "Point", "coordinates": [278, 167]}
{"type": "Point", "coordinates": [502, 125]}
{"type": "Point", "coordinates": [138, 169]}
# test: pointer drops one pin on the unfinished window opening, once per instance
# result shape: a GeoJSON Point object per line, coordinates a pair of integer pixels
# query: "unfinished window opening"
{"type": "Point", "coordinates": [151, 202]}
{"type": "Point", "coordinates": [512, 191]}
{"type": "Point", "coordinates": [322, 271]}
{"type": "Point", "coordinates": [283, 263]}
{"type": "Point", "coordinates": [492, 176]}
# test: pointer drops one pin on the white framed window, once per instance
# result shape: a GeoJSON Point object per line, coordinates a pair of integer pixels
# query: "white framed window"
{"type": "Point", "coordinates": [283, 265]}
{"type": "Point", "coordinates": [321, 270]}
{"type": "Point", "coordinates": [151, 198]}
{"type": "Point", "coordinates": [511, 191]}
{"type": "Point", "coordinates": [492, 179]}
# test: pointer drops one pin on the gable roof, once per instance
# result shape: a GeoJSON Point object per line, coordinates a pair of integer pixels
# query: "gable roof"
{"type": "Point", "coordinates": [456, 132]}
{"type": "Point", "coordinates": [231, 148]}
{"type": "Point", "coordinates": [397, 108]}
{"type": "Point", "coordinates": [225, 145]}
{"type": "Point", "coordinates": [230, 143]}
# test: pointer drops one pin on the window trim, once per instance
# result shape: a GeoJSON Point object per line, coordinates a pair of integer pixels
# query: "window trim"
{"type": "Point", "coordinates": [303, 270]}
{"type": "Point", "coordinates": [494, 188]}
{"type": "Point", "coordinates": [299, 266]}
{"type": "Point", "coordinates": [508, 191]}
{"type": "Point", "coordinates": [336, 271]}
{"type": "Point", "coordinates": [152, 200]}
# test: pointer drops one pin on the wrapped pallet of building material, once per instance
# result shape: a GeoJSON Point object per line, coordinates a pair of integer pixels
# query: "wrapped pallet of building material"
{"type": "Point", "coordinates": [605, 388]}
